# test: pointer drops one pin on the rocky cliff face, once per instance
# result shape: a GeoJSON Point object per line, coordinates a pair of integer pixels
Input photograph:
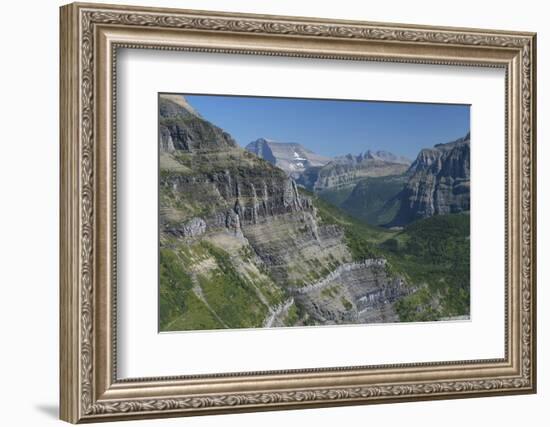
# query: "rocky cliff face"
{"type": "Point", "coordinates": [439, 182]}
{"type": "Point", "coordinates": [386, 156]}
{"type": "Point", "coordinates": [291, 157]}
{"type": "Point", "coordinates": [238, 239]}
{"type": "Point", "coordinates": [347, 171]}
{"type": "Point", "coordinates": [183, 129]}
{"type": "Point", "coordinates": [368, 294]}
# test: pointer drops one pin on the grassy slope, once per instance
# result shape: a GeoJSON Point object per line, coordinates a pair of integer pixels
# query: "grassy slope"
{"type": "Point", "coordinates": [228, 297]}
{"type": "Point", "coordinates": [225, 294]}
{"type": "Point", "coordinates": [228, 291]}
{"type": "Point", "coordinates": [373, 199]}
{"type": "Point", "coordinates": [433, 254]}
{"type": "Point", "coordinates": [336, 196]}
{"type": "Point", "coordinates": [436, 252]}
{"type": "Point", "coordinates": [362, 239]}
{"type": "Point", "coordinates": [180, 308]}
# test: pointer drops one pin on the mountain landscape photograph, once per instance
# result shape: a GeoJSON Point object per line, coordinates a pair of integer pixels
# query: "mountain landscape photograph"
{"type": "Point", "coordinates": [290, 212]}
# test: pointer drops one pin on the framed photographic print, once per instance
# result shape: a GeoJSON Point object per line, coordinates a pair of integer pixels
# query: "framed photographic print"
{"type": "Point", "coordinates": [265, 212]}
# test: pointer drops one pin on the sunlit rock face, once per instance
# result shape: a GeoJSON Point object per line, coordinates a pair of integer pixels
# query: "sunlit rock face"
{"type": "Point", "coordinates": [291, 157]}
{"type": "Point", "coordinates": [439, 182]}
{"type": "Point", "coordinates": [238, 238]}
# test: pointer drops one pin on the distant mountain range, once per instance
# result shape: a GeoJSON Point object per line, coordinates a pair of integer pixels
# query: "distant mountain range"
{"type": "Point", "coordinates": [380, 155]}
{"type": "Point", "coordinates": [436, 183]}
{"type": "Point", "coordinates": [342, 173]}
{"type": "Point", "coordinates": [291, 157]}
{"type": "Point", "coordinates": [379, 187]}
{"type": "Point", "coordinates": [316, 172]}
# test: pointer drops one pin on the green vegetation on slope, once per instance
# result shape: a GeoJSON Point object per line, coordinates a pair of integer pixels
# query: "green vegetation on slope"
{"type": "Point", "coordinates": [374, 200]}
{"type": "Point", "coordinates": [180, 308]}
{"type": "Point", "coordinates": [292, 316]}
{"type": "Point", "coordinates": [336, 196]}
{"type": "Point", "coordinates": [203, 287]}
{"type": "Point", "coordinates": [434, 253]}
{"type": "Point", "coordinates": [232, 297]}
{"type": "Point", "coordinates": [209, 161]}
{"type": "Point", "coordinates": [362, 239]}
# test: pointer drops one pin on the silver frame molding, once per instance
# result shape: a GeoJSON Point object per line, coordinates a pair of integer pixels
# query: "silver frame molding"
{"type": "Point", "coordinates": [90, 37]}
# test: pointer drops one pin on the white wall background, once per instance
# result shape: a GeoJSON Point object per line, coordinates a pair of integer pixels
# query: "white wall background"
{"type": "Point", "coordinates": [29, 170]}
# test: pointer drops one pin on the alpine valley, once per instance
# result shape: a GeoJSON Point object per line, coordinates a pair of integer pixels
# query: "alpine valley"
{"type": "Point", "coordinates": [276, 235]}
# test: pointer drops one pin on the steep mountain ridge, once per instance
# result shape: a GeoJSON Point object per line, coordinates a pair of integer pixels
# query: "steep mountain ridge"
{"type": "Point", "coordinates": [291, 157]}
{"type": "Point", "coordinates": [438, 184]}
{"type": "Point", "coordinates": [345, 172]}
{"type": "Point", "coordinates": [238, 237]}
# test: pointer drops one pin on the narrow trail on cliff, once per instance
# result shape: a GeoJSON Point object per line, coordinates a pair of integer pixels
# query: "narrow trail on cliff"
{"type": "Point", "coordinates": [279, 312]}
{"type": "Point", "coordinates": [329, 278]}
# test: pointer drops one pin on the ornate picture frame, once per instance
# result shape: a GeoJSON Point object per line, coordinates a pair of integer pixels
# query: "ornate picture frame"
{"type": "Point", "coordinates": [90, 37]}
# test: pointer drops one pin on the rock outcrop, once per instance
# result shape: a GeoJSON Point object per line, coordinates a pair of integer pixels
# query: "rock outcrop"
{"type": "Point", "coordinates": [439, 182]}
{"type": "Point", "coordinates": [182, 128]}
{"type": "Point", "coordinates": [249, 239]}
{"type": "Point", "coordinates": [192, 228]}
{"type": "Point", "coordinates": [347, 171]}
{"type": "Point", "coordinates": [367, 296]}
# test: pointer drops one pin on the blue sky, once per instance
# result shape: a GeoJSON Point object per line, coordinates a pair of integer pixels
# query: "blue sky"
{"type": "Point", "coordinates": [331, 128]}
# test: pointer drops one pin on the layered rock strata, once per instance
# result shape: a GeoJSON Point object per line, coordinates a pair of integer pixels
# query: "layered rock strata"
{"type": "Point", "coordinates": [249, 240]}
{"type": "Point", "coordinates": [439, 182]}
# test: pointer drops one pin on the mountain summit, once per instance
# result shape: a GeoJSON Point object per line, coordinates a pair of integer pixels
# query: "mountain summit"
{"type": "Point", "coordinates": [291, 157]}
{"type": "Point", "coordinates": [182, 128]}
{"type": "Point", "coordinates": [176, 101]}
